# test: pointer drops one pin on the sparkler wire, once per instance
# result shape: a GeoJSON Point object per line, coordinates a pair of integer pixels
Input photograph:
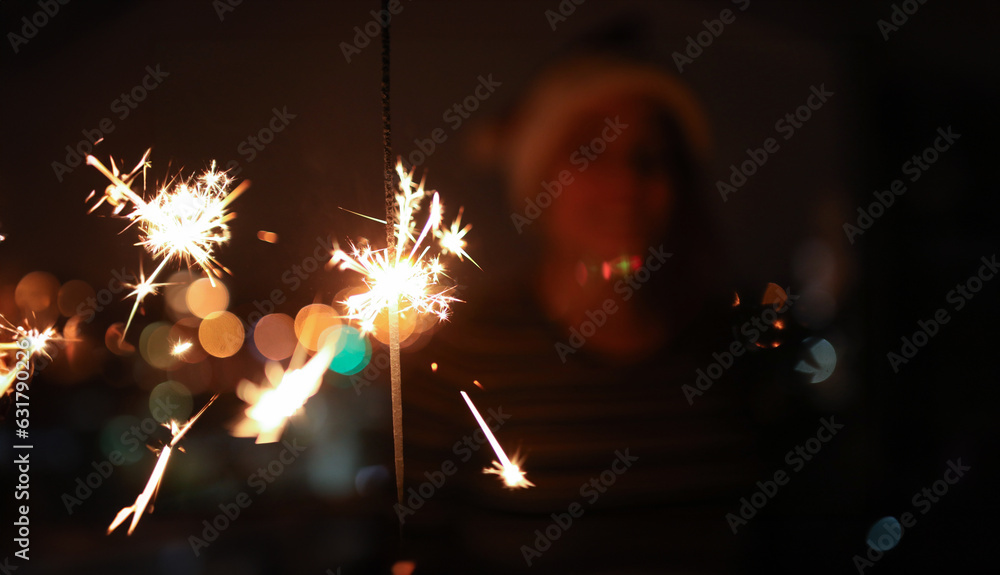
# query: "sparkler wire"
{"type": "Point", "coordinates": [391, 223]}
{"type": "Point", "coordinates": [504, 461]}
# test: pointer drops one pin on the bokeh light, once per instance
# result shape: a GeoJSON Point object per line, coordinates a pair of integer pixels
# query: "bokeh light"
{"type": "Point", "coordinates": [885, 534]}
{"type": "Point", "coordinates": [312, 321]}
{"type": "Point", "coordinates": [155, 345]}
{"type": "Point", "coordinates": [113, 340]}
{"type": "Point", "coordinates": [203, 298]}
{"type": "Point", "coordinates": [36, 292]}
{"type": "Point", "coordinates": [175, 293]}
{"type": "Point", "coordinates": [407, 325]}
{"type": "Point", "coordinates": [353, 349]}
{"type": "Point", "coordinates": [72, 295]}
{"type": "Point", "coordinates": [123, 435]}
{"type": "Point", "coordinates": [170, 400]}
{"type": "Point", "coordinates": [331, 470]}
{"type": "Point", "coordinates": [274, 336]}
{"type": "Point", "coordinates": [818, 361]}
{"type": "Point", "coordinates": [774, 295]}
{"type": "Point", "coordinates": [221, 334]}
{"type": "Point", "coordinates": [369, 480]}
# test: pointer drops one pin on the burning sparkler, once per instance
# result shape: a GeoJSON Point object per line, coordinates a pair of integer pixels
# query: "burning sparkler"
{"type": "Point", "coordinates": [148, 494]}
{"type": "Point", "coordinates": [180, 348]}
{"type": "Point", "coordinates": [510, 471]}
{"type": "Point", "coordinates": [403, 277]}
{"type": "Point", "coordinates": [32, 340]}
{"type": "Point", "coordinates": [412, 279]}
{"type": "Point", "coordinates": [272, 405]}
{"type": "Point", "coordinates": [186, 220]}
{"type": "Point", "coordinates": [26, 343]}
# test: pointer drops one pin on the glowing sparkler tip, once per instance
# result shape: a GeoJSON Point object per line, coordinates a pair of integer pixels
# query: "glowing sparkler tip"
{"type": "Point", "coordinates": [508, 469]}
{"type": "Point", "coordinates": [407, 276]}
{"type": "Point", "coordinates": [37, 341]}
{"type": "Point", "coordinates": [25, 340]}
{"type": "Point", "coordinates": [33, 341]}
{"type": "Point", "coordinates": [180, 348]}
{"type": "Point", "coordinates": [512, 475]}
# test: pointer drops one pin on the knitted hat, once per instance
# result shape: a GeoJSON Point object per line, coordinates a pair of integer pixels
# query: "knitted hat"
{"type": "Point", "coordinates": [560, 98]}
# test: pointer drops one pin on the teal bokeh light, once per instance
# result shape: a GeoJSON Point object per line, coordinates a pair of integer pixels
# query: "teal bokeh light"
{"type": "Point", "coordinates": [885, 534]}
{"type": "Point", "coordinates": [353, 350]}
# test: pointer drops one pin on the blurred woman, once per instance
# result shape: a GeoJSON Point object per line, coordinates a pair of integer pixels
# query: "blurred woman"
{"type": "Point", "coordinates": [583, 357]}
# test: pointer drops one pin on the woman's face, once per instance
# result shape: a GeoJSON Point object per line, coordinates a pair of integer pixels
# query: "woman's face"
{"type": "Point", "coordinates": [619, 193]}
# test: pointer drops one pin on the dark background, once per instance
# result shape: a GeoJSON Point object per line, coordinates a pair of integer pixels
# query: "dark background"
{"type": "Point", "coordinates": [227, 74]}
